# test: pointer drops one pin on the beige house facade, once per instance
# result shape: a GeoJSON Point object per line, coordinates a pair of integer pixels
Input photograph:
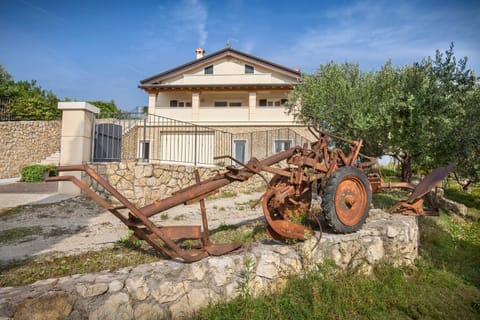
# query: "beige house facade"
{"type": "Point", "coordinates": [230, 91]}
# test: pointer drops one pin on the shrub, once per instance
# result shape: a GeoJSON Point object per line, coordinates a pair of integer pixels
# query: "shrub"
{"type": "Point", "coordinates": [35, 172]}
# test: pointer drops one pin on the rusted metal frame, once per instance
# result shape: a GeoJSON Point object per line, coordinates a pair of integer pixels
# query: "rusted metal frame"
{"type": "Point", "coordinates": [134, 210]}
{"type": "Point", "coordinates": [405, 208]}
{"type": "Point", "coordinates": [334, 165]}
{"type": "Point", "coordinates": [371, 161]}
{"type": "Point", "coordinates": [203, 196]}
{"type": "Point", "coordinates": [355, 150]}
{"type": "Point", "coordinates": [84, 188]}
{"type": "Point", "coordinates": [203, 210]}
{"type": "Point", "coordinates": [208, 186]}
{"type": "Point", "coordinates": [306, 161]}
{"type": "Point", "coordinates": [153, 241]}
{"type": "Point", "coordinates": [282, 228]}
{"type": "Point", "coordinates": [397, 185]}
{"type": "Point", "coordinates": [138, 232]}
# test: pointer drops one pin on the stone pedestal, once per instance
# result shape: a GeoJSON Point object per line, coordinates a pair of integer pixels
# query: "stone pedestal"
{"type": "Point", "coordinates": [78, 120]}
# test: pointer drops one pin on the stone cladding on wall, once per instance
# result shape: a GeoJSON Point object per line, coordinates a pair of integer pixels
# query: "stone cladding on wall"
{"type": "Point", "coordinates": [26, 142]}
{"type": "Point", "coordinates": [169, 289]}
{"type": "Point", "coordinates": [143, 183]}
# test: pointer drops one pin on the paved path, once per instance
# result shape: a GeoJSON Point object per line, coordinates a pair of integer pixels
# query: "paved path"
{"type": "Point", "coordinates": [14, 194]}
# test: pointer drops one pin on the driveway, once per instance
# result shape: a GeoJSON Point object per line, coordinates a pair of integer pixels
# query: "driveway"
{"type": "Point", "coordinates": [14, 193]}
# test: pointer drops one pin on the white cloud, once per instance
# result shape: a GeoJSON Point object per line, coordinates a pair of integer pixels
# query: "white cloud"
{"type": "Point", "coordinates": [192, 15]}
{"type": "Point", "coordinates": [372, 32]}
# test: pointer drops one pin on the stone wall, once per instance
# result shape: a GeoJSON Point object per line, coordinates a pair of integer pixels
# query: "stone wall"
{"type": "Point", "coordinates": [142, 183]}
{"type": "Point", "coordinates": [26, 142]}
{"type": "Point", "coordinates": [169, 289]}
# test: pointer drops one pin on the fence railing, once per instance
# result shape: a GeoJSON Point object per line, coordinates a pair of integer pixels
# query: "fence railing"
{"type": "Point", "coordinates": [156, 139]}
{"type": "Point", "coordinates": [5, 104]}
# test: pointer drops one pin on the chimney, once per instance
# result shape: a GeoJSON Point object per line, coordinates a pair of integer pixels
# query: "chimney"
{"type": "Point", "coordinates": [200, 52]}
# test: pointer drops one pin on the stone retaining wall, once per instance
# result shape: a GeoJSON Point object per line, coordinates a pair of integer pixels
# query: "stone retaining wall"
{"type": "Point", "coordinates": [142, 183]}
{"type": "Point", "coordinates": [171, 289]}
{"type": "Point", "coordinates": [26, 142]}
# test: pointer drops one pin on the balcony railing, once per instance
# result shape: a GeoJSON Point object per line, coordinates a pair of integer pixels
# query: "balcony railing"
{"type": "Point", "coordinates": [226, 114]}
{"type": "Point", "coordinates": [152, 138]}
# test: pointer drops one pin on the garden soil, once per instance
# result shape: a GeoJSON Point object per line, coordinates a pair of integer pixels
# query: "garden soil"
{"type": "Point", "coordinates": [74, 225]}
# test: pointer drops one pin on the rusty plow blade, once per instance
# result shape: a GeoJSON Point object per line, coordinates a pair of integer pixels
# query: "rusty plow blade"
{"type": "Point", "coordinates": [221, 249]}
{"type": "Point", "coordinates": [414, 205]}
{"type": "Point", "coordinates": [278, 227]}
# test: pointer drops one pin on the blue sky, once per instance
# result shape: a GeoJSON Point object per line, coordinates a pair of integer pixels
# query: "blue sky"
{"type": "Point", "coordinates": [100, 50]}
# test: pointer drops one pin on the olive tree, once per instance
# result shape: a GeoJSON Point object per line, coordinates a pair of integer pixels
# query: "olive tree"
{"type": "Point", "coordinates": [415, 113]}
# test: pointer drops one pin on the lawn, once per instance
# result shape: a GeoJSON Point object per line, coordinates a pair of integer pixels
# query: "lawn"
{"type": "Point", "coordinates": [443, 284]}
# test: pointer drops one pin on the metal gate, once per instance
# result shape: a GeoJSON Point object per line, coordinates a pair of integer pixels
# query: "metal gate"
{"type": "Point", "coordinates": [108, 142]}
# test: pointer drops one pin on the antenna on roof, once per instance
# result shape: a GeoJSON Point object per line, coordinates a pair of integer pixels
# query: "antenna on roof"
{"type": "Point", "coordinates": [229, 43]}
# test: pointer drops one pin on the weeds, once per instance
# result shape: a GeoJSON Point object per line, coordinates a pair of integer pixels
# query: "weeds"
{"type": "Point", "coordinates": [223, 194]}
{"type": "Point", "coordinates": [25, 272]}
{"type": "Point", "coordinates": [443, 284]}
{"type": "Point", "coordinates": [128, 241]}
{"type": "Point", "coordinates": [239, 234]}
{"type": "Point", "coordinates": [19, 234]}
{"type": "Point", "coordinates": [164, 216]}
{"type": "Point", "coordinates": [246, 277]}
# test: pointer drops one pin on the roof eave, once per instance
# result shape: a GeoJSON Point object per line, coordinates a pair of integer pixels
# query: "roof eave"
{"type": "Point", "coordinates": [172, 72]}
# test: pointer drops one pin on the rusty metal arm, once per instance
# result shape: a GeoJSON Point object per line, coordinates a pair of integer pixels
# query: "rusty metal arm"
{"type": "Point", "coordinates": [208, 186]}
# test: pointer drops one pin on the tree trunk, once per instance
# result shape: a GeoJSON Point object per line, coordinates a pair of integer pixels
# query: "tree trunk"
{"type": "Point", "coordinates": [406, 168]}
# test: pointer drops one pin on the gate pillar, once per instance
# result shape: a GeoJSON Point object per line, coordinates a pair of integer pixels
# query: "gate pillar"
{"type": "Point", "coordinates": [78, 121]}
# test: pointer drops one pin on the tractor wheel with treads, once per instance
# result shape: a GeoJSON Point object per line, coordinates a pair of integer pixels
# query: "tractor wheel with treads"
{"type": "Point", "coordinates": [346, 199]}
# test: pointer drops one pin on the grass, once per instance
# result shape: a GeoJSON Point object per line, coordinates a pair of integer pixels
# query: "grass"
{"type": "Point", "coordinates": [19, 234]}
{"type": "Point", "coordinates": [126, 252]}
{"type": "Point", "coordinates": [443, 284]}
{"type": "Point", "coordinates": [252, 232]}
{"type": "Point", "coordinates": [22, 273]}
{"type": "Point", "coordinates": [389, 293]}
{"type": "Point", "coordinates": [223, 195]}
{"type": "Point", "coordinates": [471, 198]}
{"type": "Point", "coordinates": [386, 200]}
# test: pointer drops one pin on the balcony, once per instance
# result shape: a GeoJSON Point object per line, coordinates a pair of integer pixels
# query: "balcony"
{"type": "Point", "coordinates": [227, 115]}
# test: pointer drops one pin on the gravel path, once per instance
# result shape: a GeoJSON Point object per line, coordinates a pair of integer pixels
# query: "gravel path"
{"type": "Point", "coordinates": [78, 224]}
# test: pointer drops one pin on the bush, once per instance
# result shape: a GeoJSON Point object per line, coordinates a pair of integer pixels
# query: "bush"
{"type": "Point", "coordinates": [35, 172]}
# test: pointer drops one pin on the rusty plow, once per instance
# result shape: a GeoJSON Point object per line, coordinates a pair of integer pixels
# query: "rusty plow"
{"type": "Point", "coordinates": [312, 170]}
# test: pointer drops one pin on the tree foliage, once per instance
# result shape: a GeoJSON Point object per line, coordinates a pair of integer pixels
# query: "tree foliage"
{"type": "Point", "coordinates": [28, 101]}
{"type": "Point", "coordinates": [108, 109]}
{"type": "Point", "coordinates": [25, 100]}
{"type": "Point", "coordinates": [424, 114]}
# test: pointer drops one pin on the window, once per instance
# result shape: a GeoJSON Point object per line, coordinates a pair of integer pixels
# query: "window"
{"type": "Point", "coordinates": [234, 104]}
{"type": "Point", "coordinates": [272, 102]}
{"type": "Point", "coordinates": [281, 145]}
{"type": "Point", "coordinates": [180, 104]}
{"type": "Point", "coordinates": [186, 104]}
{"type": "Point", "coordinates": [220, 103]}
{"type": "Point", "coordinates": [209, 69]}
{"type": "Point", "coordinates": [249, 69]}
{"type": "Point", "coordinates": [144, 150]}
{"type": "Point", "coordinates": [239, 148]}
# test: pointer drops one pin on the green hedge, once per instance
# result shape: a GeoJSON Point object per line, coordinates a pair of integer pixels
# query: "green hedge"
{"type": "Point", "coordinates": [35, 172]}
